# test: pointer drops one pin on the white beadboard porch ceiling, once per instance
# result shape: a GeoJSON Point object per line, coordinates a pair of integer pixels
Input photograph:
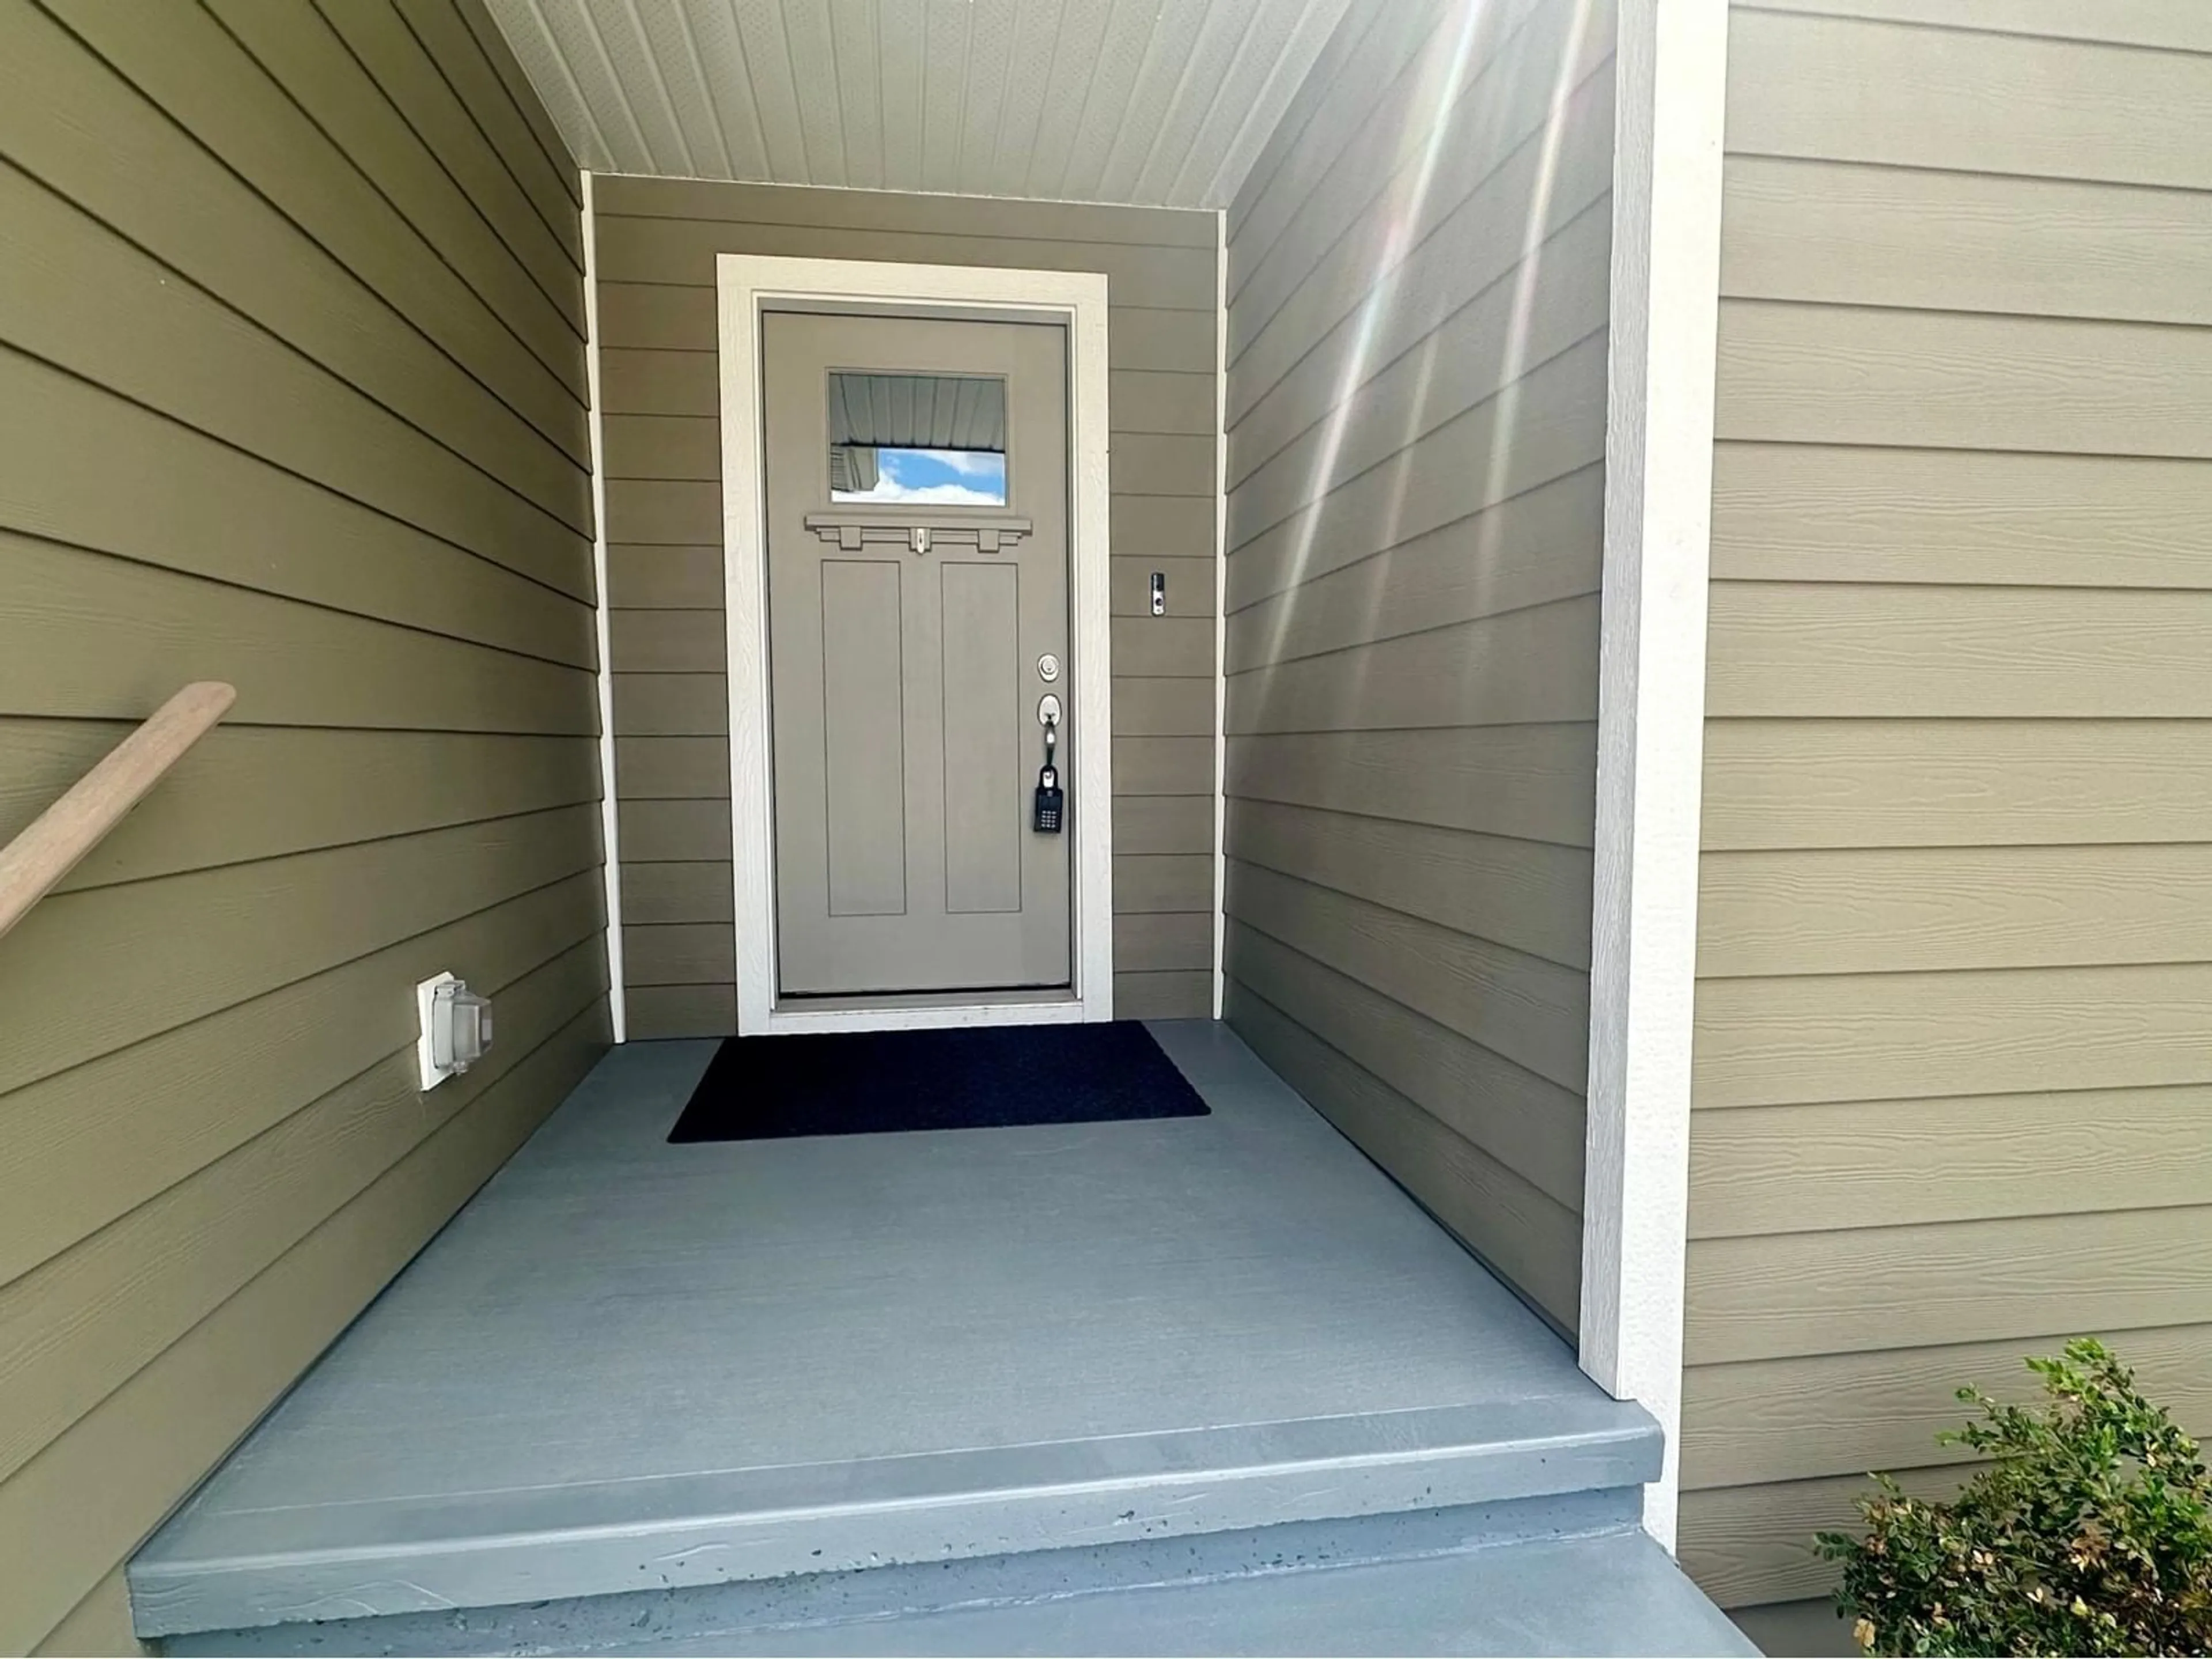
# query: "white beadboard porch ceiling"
{"type": "Point", "coordinates": [1160, 102]}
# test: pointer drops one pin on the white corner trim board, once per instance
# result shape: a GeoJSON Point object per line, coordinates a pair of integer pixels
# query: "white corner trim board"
{"type": "Point", "coordinates": [1671, 73]}
{"type": "Point", "coordinates": [745, 285]}
{"type": "Point", "coordinates": [1220, 612]}
{"type": "Point", "coordinates": [610, 819]}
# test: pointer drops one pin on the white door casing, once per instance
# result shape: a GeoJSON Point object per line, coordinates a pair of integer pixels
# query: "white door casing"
{"type": "Point", "coordinates": [746, 285]}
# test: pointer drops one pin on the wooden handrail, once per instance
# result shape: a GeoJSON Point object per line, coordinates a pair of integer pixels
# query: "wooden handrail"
{"type": "Point", "coordinates": [49, 849]}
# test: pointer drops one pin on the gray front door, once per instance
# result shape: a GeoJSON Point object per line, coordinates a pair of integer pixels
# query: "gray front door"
{"type": "Point", "coordinates": [917, 552]}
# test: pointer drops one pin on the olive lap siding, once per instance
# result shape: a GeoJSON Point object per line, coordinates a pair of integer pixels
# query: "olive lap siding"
{"type": "Point", "coordinates": [1953, 1085]}
{"type": "Point", "coordinates": [291, 372]}
{"type": "Point", "coordinates": [1417, 394]}
{"type": "Point", "coordinates": [658, 240]}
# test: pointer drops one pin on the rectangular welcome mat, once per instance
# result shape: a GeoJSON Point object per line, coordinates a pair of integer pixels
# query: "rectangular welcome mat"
{"type": "Point", "coordinates": [859, 1082]}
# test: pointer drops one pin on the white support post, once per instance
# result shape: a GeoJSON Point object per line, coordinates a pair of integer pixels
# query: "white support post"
{"type": "Point", "coordinates": [1671, 74]}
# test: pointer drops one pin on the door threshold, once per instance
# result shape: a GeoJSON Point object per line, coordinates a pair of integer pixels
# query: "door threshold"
{"type": "Point", "coordinates": [1055, 1005]}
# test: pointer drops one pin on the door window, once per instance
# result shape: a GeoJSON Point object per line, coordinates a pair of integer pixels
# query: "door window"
{"type": "Point", "coordinates": [939, 440]}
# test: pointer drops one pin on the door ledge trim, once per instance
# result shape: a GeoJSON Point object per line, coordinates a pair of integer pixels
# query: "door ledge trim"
{"type": "Point", "coordinates": [745, 285]}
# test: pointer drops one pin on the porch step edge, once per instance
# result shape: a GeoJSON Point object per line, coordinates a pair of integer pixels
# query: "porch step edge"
{"type": "Point", "coordinates": [1466, 1580]}
{"type": "Point", "coordinates": [210, 1570]}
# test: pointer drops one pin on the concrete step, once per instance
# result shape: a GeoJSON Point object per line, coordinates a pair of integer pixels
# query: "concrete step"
{"type": "Point", "coordinates": [216, 1569]}
{"type": "Point", "coordinates": [1570, 1574]}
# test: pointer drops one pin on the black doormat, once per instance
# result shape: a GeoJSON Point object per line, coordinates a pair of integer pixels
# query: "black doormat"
{"type": "Point", "coordinates": [861, 1082]}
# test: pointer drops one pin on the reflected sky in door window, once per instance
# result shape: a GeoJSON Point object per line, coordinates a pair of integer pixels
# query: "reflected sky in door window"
{"type": "Point", "coordinates": [943, 477]}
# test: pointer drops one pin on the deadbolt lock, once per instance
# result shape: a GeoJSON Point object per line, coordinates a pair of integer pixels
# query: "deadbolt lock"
{"type": "Point", "coordinates": [1047, 668]}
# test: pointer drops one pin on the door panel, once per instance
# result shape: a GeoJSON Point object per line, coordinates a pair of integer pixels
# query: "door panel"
{"type": "Point", "coordinates": [862, 711]}
{"type": "Point", "coordinates": [983, 753]}
{"type": "Point", "coordinates": [903, 697]}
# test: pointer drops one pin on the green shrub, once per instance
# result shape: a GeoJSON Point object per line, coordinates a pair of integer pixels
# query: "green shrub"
{"type": "Point", "coordinates": [2091, 1532]}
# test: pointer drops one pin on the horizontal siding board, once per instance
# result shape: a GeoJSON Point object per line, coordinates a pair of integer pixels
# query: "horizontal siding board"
{"type": "Point", "coordinates": [79, 297]}
{"type": "Point", "coordinates": [386, 46]}
{"type": "Point", "coordinates": [668, 641]}
{"type": "Point", "coordinates": [1153, 943]}
{"type": "Point", "coordinates": [1534, 1013]}
{"type": "Point", "coordinates": [1835, 649]}
{"type": "Point", "coordinates": [461, 58]}
{"type": "Point", "coordinates": [679, 953]}
{"type": "Point", "coordinates": [659, 345]}
{"type": "Point", "coordinates": [1932, 782]}
{"type": "Point", "coordinates": [1525, 1122]}
{"type": "Point", "coordinates": [683, 513]}
{"type": "Point", "coordinates": [652, 578]}
{"type": "Point", "coordinates": [661, 446]}
{"type": "Point", "coordinates": [674, 831]}
{"type": "Point", "coordinates": [1848, 912]}
{"type": "Point", "coordinates": [1323, 332]}
{"type": "Point", "coordinates": [894, 212]}
{"type": "Point", "coordinates": [185, 206]}
{"type": "Point", "coordinates": [1358, 64]}
{"type": "Point", "coordinates": [1896, 1163]}
{"type": "Point", "coordinates": [134, 940]}
{"type": "Point", "coordinates": [1849, 374]}
{"type": "Point", "coordinates": [1149, 464]}
{"type": "Point", "coordinates": [476, 18]}
{"type": "Point", "coordinates": [1845, 233]}
{"type": "Point", "coordinates": [682, 1011]}
{"type": "Point", "coordinates": [672, 705]}
{"type": "Point", "coordinates": [1183, 995]}
{"type": "Point", "coordinates": [1162, 823]}
{"type": "Point", "coordinates": [73, 1513]}
{"type": "Point", "coordinates": [1503, 62]}
{"type": "Point", "coordinates": [682, 252]}
{"type": "Point", "coordinates": [1283, 455]}
{"type": "Point", "coordinates": [1864, 90]}
{"type": "Point", "coordinates": [1529, 895]}
{"type": "Point", "coordinates": [1551, 425]}
{"type": "Point", "coordinates": [1750, 1544]}
{"type": "Point", "coordinates": [1162, 766]}
{"type": "Point", "coordinates": [657, 893]}
{"type": "Point", "coordinates": [78, 1325]}
{"type": "Point", "coordinates": [1533, 667]}
{"type": "Point", "coordinates": [1147, 400]}
{"type": "Point", "coordinates": [673, 768]}
{"type": "Point", "coordinates": [1538, 782]}
{"type": "Point", "coordinates": [2180, 25]}
{"type": "Point", "coordinates": [1150, 646]}
{"type": "Point", "coordinates": [1527, 1237]}
{"type": "Point", "coordinates": [1535, 549]}
{"type": "Point", "coordinates": [1901, 1036]}
{"type": "Point", "coordinates": [1162, 881]}
{"type": "Point", "coordinates": [182, 59]}
{"type": "Point", "coordinates": [202, 508]}
{"type": "Point", "coordinates": [82, 1150]}
{"type": "Point", "coordinates": [300, 49]}
{"type": "Point", "coordinates": [104, 636]}
{"type": "Point", "coordinates": [1817, 513]}
{"type": "Point", "coordinates": [244, 792]}
{"type": "Point", "coordinates": [1146, 530]}
{"type": "Point", "coordinates": [1841, 1414]}
{"type": "Point", "coordinates": [1764, 1297]}
{"type": "Point", "coordinates": [1163, 708]}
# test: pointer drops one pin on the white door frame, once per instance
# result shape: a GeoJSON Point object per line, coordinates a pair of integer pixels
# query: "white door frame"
{"type": "Point", "coordinates": [746, 285]}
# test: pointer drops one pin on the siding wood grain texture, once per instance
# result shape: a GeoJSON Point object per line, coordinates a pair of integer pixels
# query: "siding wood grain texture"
{"type": "Point", "coordinates": [291, 395]}
{"type": "Point", "coordinates": [1418, 276]}
{"type": "Point", "coordinates": [1954, 1085]}
{"type": "Point", "coordinates": [657, 242]}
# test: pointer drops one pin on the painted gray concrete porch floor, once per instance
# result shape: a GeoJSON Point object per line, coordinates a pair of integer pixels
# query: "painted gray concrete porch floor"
{"type": "Point", "coordinates": [628, 1365]}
